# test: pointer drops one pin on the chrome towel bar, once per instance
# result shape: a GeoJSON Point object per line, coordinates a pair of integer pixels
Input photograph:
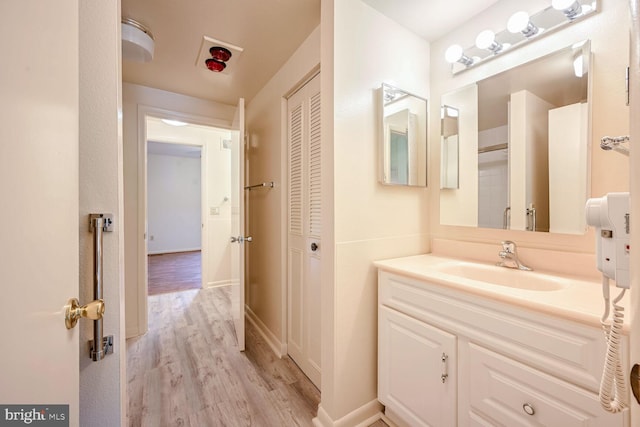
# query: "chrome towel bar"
{"type": "Point", "coordinates": [264, 184]}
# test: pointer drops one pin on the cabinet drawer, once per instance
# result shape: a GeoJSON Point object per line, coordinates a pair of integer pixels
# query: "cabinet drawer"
{"type": "Point", "coordinates": [504, 392]}
{"type": "Point", "coordinates": [568, 350]}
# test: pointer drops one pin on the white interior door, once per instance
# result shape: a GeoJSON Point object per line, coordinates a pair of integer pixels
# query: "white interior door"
{"type": "Point", "coordinates": [304, 249]}
{"type": "Point", "coordinates": [237, 223]}
{"type": "Point", "coordinates": [39, 192]}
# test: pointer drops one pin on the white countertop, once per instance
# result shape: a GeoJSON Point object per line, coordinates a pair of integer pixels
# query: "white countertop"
{"type": "Point", "coordinates": [581, 300]}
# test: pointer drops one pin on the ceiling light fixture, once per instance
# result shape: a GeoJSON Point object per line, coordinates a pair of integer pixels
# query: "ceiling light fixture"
{"type": "Point", "coordinates": [215, 65]}
{"type": "Point", "coordinates": [220, 53]}
{"type": "Point", "coordinates": [173, 122]}
{"type": "Point", "coordinates": [219, 57]}
{"type": "Point", "coordinates": [519, 22]}
{"type": "Point", "coordinates": [571, 8]}
{"type": "Point", "coordinates": [137, 41]}
{"type": "Point", "coordinates": [455, 53]}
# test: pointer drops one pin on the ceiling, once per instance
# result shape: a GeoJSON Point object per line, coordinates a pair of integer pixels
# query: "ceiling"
{"type": "Point", "coordinates": [269, 31]}
{"type": "Point", "coordinates": [430, 19]}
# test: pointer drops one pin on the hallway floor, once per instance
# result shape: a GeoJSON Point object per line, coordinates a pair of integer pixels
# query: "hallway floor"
{"type": "Point", "coordinates": [174, 272]}
{"type": "Point", "coordinates": [187, 370]}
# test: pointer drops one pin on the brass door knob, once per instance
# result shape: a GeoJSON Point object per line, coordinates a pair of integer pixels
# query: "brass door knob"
{"type": "Point", "coordinates": [74, 311]}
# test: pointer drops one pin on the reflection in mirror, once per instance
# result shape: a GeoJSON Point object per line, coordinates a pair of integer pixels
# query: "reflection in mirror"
{"type": "Point", "coordinates": [528, 160]}
{"type": "Point", "coordinates": [403, 148]}
{"type": "Point", "coordinates": [449, 147]}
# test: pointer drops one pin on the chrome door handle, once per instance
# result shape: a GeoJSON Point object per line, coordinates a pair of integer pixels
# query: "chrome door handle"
{"type": "Point", "coordinates": [241, 239]}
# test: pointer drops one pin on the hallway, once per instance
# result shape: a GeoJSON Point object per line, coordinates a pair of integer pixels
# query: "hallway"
{"type": "Point", "coordinates": [174, 272]}
{"type": "Point", "coordinates": [187, 370]}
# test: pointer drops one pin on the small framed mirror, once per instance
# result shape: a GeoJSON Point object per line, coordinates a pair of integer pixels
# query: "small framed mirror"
{"type": "Point", "coordinates": [403, 141]}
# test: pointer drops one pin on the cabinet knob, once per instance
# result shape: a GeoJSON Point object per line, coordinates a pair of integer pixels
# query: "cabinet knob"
{"type": "Point", "coordinates": [528, 409]}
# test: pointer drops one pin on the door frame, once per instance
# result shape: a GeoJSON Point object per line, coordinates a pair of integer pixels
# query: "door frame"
{"type": "Point", "coordinates": [145, 111]}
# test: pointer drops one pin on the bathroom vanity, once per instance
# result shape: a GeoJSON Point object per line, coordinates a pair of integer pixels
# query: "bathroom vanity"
{"type": "Point", "coordinates": [471, 344]}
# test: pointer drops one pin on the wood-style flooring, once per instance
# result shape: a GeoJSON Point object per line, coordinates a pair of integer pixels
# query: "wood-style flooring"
{"type": "Point", "coordinates": [187, 370]}
{"type": "Point", "coordinates": [174, 272]}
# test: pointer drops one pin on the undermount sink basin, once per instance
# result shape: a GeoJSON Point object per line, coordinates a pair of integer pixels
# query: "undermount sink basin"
{"type": "Point", "coordinates": [502, 276]}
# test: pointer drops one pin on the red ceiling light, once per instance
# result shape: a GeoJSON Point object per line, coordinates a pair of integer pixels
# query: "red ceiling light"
{"type": "Point", "coordinates": [215, 65]}
{"type": "Point", "coordinates": [220, 53]}
{"type": "Point", "coordinates": [219, 57]}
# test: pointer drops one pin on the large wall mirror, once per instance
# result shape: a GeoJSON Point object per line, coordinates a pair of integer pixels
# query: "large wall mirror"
{"type": "Point", "coordinates": [522, 141]}
{"type": "Point", "coordinates": [403, 140]}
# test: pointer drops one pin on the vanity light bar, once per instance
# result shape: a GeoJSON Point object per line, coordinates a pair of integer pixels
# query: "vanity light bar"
{"type": "Point", "coordinates": [520, 28]}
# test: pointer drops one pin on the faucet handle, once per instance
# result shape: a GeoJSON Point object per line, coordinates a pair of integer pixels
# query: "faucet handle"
{"type": "Point", "coordinates": [509, 246]}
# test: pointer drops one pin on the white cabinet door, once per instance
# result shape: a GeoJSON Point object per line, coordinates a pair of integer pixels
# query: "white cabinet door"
{"type": "Point", "coordinates": [416, 370]}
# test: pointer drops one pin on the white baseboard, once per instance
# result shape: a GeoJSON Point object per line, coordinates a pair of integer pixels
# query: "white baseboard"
{"type": "Point", "coordinates": [279, 348]}
{"type": "Point", "coordinates": [132, 332]}
{"type": "Point", "coordinates": [363, 416]}
{"type": "Point", "coordinates": [218, 284]}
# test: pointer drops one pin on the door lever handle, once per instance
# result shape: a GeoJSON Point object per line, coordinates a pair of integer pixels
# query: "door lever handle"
{"type": "Point", "coordinates": [74, 311]}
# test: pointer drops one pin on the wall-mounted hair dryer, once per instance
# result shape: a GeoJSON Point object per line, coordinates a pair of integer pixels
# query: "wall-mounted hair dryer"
{"type": "Point", "coordinates": [610, 216]}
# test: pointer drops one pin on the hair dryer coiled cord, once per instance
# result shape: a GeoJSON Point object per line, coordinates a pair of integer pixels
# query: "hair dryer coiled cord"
{"type": "Point", "coordinates": [613, 388]}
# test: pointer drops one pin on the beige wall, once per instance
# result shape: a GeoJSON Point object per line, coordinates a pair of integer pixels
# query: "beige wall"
{"type": "Point", "coordinates": [608, 30]}
{"type": "Point", "coordinates": [101, 191]}
{"type": "Point", "coordinates": [267, 208]}
{"type": "Point", "coordinates": [136, 101]}
{"type": "Point", "coordinates": [362, 219]}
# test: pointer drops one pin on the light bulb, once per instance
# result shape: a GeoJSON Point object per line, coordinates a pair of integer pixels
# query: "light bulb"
{"type": "Point", "coordinates": [570, 8]}
{"type": "Point", "coordinates": [485, 39]}
{"type": "Point", "coordinates": [453, 53]}
{"type": "Point", "coordinates": [518, 22]}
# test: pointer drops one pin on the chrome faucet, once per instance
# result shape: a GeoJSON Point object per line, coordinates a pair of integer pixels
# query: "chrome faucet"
{"type": "Point", "coordinates": [509, 256]}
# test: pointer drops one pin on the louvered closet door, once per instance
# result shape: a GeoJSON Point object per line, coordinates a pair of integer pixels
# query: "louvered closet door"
{"type": "Point", "coordinates": [304, 249]}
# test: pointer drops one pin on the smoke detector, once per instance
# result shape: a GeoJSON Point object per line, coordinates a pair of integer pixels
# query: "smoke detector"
{"type": "Point", "coordinates": [218, 56]}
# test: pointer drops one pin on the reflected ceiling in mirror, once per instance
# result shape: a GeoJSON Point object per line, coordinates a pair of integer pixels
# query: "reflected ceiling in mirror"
{"type": "Point", "coordinates": [520, 29]}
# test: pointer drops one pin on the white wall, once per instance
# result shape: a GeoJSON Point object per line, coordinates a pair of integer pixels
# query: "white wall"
{"type": "Point", "coordinates": [267, 208]}
{"type": "Point", "coordinates": [137, 100]}
{"type": "Point", "coordinates": [609, 114]}
{"type": "Point", "coordinates": [362, 219]}
{"type": "Point", "coordinates": [173, 203]}
{"type": "Point", "coordinates": [101, 191]}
